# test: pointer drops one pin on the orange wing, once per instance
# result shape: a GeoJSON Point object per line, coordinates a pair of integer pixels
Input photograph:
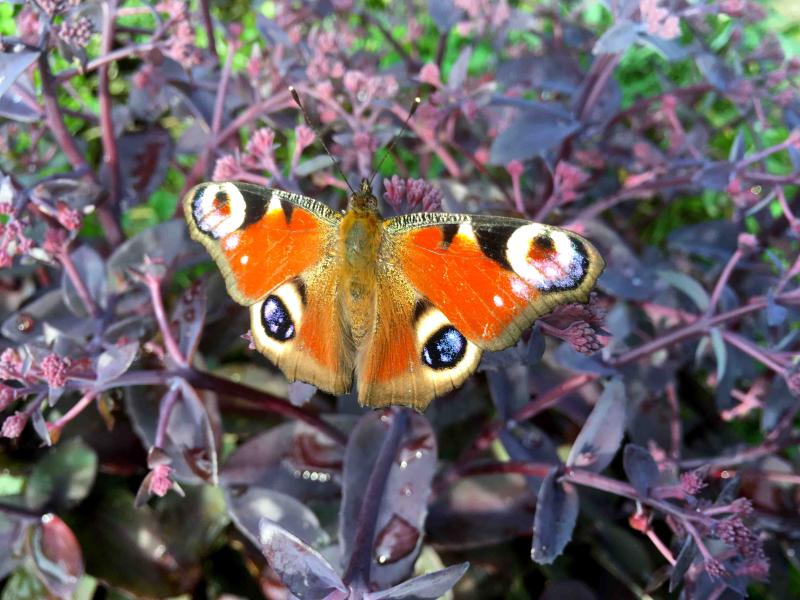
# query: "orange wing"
{"type": "Point", "coordinates": [491, 276]}
{"type": "Point", "coordinates": [260, 238]}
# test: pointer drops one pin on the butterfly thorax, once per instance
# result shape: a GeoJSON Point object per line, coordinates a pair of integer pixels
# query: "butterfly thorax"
{"type": "Point", "coordinates": [360, 234]}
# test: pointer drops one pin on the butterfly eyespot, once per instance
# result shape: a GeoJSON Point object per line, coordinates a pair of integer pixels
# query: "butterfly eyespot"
{"type": "Point", "coordinates": [276, 319]}
{"type": "Point", "coordinates": [218, 209]}
{"type": "Point", "coordinates": [547, 258]}
{"type": "Point", "coordinates": [445, 348]}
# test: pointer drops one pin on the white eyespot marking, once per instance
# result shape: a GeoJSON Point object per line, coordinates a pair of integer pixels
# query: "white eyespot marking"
{"type": "Point", "coordinates": [218, 209]}
{"type": "Point", "coordinates": [244, 259]}
{"type": "Point", "coordinates": [274, 204]}
{"type": "Point", "coordinates": [498, 301]}
{"type": "Point", "coordinates": [231, 241]}
{"type": "Point", "coordinates": [545, 257]}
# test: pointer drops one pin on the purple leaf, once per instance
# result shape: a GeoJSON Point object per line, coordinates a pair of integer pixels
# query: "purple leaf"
{"type": "Point", "coordinates": [128, 548]}
{"type": "Point", "coordinates": [80, 194]}
{"type": "Point", "coordinates": [145, 160]}
{"type": "Point", "coordinates": [444, 13]}
{"type": "Point", "coordinates": [641, 469]}
{"type": "Point", "coordinates": [736, 153]}
{"type": "Point", "coordinates": [717, 72]}
{"type": "Point", "coordinates": [682, 562]}
{"type": "Point", "coordinates": [720, 351]}
{"type": "Point", "coordinates": [617, 39]}
{"type": "Point", "coordinates": [715, 175]}
{"type": "Point", "coordinates": [57, 556]}
{"type": "Point", "coordinates": [301, 568]}
{"type": "Point", "coordinates": [271, 31]}
{"type": "Point", "coordinates": [191, 431]}
{"type": "Point", "coordinates": [554, 72]}
{"type": "Point", "coordinates": [686, 284]}
{"type": "Point", "coordinates": [481, 511]}
{"type": "Point", "coordinates": [671, 50]}
{"type": "Point", "coordinates": [569, 358]}
{"type": "Point", "coordinates": [776, 314]}
{"type": "Point", "coordinates": [190, 440]}
{"type": "Point", "coordinates": [249, 507]}
{"type": "Point", "coordinates": [398, 506]}
{"type": "Point", "coordinates": [715, 240]}
{"type": "Point", "coordinates": [425, 587]}
{"type": "Point", "coordinates": [189, 314]}
{"type": "Point", "coordinates": [13, 107]}
{"type": "Point", "coordinates": [166, 241]}
{"type": "Point", "coordinates": [292, 458]}
{"type": "Point", "coordinates": [556, 513]}
{"type": "Point", "coordinates": [63, 477]}
{"type": "Point", "coordinates": [509, 389]}
{"type": "Point", "coordinates": [601, 435]}
{"type": "Point", "coordinates": [537, 130]}
{"type": "Point", "coordinates": [458, 72]}
{"type": "Point", "coordinates": [115, 361]}
{"type": "Point", "coordinates": [12, 65]}
{"type": "Point", "coordinates": [92, 271]}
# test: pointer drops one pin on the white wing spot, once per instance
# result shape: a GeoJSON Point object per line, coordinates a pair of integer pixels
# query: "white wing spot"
{"type": "Point", "coordinates": [231, 241]}
{"type": "Point", "coordinates": [244, 259]}
{"type": "Point", "coordinates": [498, 301]}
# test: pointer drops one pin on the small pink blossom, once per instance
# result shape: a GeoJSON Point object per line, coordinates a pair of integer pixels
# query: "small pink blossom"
{"type": "Point", "coordinates": [692, 482]}
{"type": "Point", "coordinates": [7, 396]}
{"type": "Point", "coordinates": [54, 370]}
{"type": "Point", "coordinates": [515, 168]}
{"type": "Point", "coordinates": [304, 137]}
{"type": "Point", "coordinates": [568, 178]}
{"type": "Point", "coordinates": [76, 33]}
{"type": "Point", "coordinates": [714, 568]}
{"type": "Point", "coordinates": [68, 216]}
{"type": "Point", "coordinates": [160, 480]}
{"type": "Point", "coordinates": [28, 25]}
{"type": "Point", "coordinates": [414, 192]}
{"type": "Point", "coordinates": [251, 345]}
{"type": "Point", "coordinates": [429, 74]}
{"type": "Point", "coordinates": [658, 21]}
{"type": "Point", "coordinates": [10, 364]}
{"type": "Point", "coordinates": [227, 168]}
{"type": "Point", "coordinates": [13, 425]}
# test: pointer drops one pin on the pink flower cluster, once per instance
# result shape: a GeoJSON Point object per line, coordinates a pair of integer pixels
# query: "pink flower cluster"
{"type": "Point", "coordinates": [412, 192]}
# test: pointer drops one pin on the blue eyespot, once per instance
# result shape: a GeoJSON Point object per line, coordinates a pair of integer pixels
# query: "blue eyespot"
{"type": "Point", "coordinates": [445, 348]}
{"type": "Point", "coordinates": [276, 319]}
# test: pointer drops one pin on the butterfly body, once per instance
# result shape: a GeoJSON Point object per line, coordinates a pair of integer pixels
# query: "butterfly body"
{"type": "Point", "coordinates": [406, 304]}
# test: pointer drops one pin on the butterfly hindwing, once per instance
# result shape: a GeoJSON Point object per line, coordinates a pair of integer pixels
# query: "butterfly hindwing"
{"type": "Point", "coordinates": [259, 237]}
{"type": "Point", "coordinates": [298, 326]}
{"type": "Point", "coordinates": [414, 352]}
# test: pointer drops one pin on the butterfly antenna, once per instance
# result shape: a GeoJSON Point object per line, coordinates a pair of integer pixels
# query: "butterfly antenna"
{"type": "Point", "coordinates": [296, 98]}
{"type": "Point", "coordinates": [414, 105]}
